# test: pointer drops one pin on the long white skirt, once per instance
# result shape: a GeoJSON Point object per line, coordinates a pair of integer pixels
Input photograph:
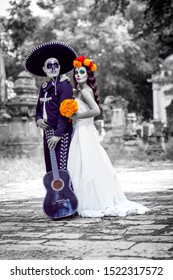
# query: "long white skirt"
{"type": "Point", "coordinates": [94, 181]}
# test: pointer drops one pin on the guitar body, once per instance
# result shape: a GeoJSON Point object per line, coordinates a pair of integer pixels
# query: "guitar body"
{"type": "Point", "coordinates": [59, 202]}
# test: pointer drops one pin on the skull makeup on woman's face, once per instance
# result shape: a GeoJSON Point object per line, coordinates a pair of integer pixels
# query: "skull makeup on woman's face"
{"type": "Point", "coordinates": [51, 67]}
{"type": "Point", "coordinates": [81, 75]}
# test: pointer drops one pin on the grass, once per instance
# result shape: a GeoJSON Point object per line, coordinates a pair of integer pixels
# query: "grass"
{"type": "Point", "coordinates": [138, 154]}
{"type": "Point", "coordinates": [20, 169]}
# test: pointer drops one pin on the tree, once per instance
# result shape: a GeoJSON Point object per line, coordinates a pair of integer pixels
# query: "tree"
{"type": "Point", "coordinates": [100, 9]}
{"type": "Point", "coordinates": [122, 66]}
{"type": "Point", "coordinates": [99, 29]}
{"type": "Point", "coordinates": [112, 33]}
{"type": "Point", "coordinates": [20, 23]}
{"type": "Point", "coordinates": [46, 4]}
{"type": "Point", "coordinates": [158, 21]}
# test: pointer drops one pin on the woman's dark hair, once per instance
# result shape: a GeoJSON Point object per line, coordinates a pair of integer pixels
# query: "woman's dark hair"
{"type": "Point", "coordinates": [91, 82]}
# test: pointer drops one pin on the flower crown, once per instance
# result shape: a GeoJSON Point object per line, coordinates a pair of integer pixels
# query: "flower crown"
{"type": "Point", "coordinates": [85, 61]}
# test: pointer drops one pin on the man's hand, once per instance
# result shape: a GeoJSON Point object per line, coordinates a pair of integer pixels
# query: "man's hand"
{"type": "Point", "coordinates": [41, 123]}
{"type": "Point", "coordinates": [52, 142]}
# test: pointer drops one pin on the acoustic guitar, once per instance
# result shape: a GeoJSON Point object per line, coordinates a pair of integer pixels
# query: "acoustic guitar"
{"type": "Point", "coordinates": [60, 201]}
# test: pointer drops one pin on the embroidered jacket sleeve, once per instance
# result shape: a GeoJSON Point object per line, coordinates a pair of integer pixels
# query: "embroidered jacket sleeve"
{"type": "Point", "coordinates": [39, 113]}
{"type": "Point", "coordinates": [65, 91]}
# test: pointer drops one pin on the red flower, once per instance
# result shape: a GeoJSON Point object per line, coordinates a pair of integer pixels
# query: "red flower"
{"type": "Point", "coordinates": [91, 64]}
{"type": "Point", "coordinates": [85, 61]}
{"type": "Point", "coordinates": [81, 58]}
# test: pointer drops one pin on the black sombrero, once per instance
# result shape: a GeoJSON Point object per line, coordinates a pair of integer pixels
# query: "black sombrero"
{"type": "Point", "coordinates": [61, 51]}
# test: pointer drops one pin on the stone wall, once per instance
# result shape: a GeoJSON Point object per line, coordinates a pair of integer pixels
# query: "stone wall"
{"type": "Point", "coordinates": [18, 132]}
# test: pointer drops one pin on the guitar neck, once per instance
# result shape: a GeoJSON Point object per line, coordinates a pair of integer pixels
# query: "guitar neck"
{"type": "Point", "coordinates": [54, 164]}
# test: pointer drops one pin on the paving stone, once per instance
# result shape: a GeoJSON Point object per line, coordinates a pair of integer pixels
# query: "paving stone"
{"type": "Point", "coordinates": [152, 249]}
{"type": "Point", "coordinates": [103, 237]}
{"type": "Point", "coordinates": [64, 236]}
{"type": "Point", "coordinates": [27, 233]}
{"type": "Point", "coordinates": [133, 222]}
{"type": "Point", "coordinates": [151, 238]}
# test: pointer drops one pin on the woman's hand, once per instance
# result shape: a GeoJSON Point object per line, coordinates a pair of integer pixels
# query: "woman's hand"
{"type": "Point", "coordinates": [75, 116]}
{"type": "Point", "coordinates": [52, 142]}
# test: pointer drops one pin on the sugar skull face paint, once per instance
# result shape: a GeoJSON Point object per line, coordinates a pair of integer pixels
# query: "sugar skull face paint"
{"type": "Point", "coordinates": [81, 74]}
{"type": "Point", "coordinates": [51, 67]}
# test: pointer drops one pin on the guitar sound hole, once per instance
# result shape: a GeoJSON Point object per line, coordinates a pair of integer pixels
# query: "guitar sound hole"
{"type": "Point", "coordinates": [57, 185]}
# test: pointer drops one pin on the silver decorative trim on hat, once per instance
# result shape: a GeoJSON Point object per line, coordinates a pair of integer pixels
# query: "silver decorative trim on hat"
{"type": "Point", "coordinates": [45, 44]}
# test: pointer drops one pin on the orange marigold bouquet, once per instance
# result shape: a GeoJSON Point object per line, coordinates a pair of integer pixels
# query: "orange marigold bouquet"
{"type": "Point", "coordinates": [68, 107]}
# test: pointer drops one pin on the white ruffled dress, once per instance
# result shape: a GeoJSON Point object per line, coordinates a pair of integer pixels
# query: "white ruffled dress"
{"type": "Point", "coordinates": [94, 181]}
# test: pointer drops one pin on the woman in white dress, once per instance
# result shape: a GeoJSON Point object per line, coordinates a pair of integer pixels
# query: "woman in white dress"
{"type": "Point", "coordinates": [94, 181]}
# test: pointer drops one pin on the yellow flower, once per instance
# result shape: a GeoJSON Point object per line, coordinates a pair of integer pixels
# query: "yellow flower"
{"type": "Point", "coordinates": [94, 67]}
{"type": "Point", "coordinates": [86, 62]}
{"type": "Point", "coordinates": [82, 60]}
{"type": "Point", "coordinates": [77, 63]}
{"type": "Point", "coordinates": [68, 107]}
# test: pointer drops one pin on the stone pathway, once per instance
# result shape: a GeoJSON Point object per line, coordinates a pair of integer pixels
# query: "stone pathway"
{"type": "Point", "coordinates": [26, 233]}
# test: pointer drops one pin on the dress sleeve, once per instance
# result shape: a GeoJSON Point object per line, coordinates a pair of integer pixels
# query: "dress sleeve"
{"type": "Point", "coordinates": [65, 92]}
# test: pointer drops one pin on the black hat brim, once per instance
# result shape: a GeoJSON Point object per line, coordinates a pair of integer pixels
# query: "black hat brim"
{"type": "Point", "coordinates": [61, 51]}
